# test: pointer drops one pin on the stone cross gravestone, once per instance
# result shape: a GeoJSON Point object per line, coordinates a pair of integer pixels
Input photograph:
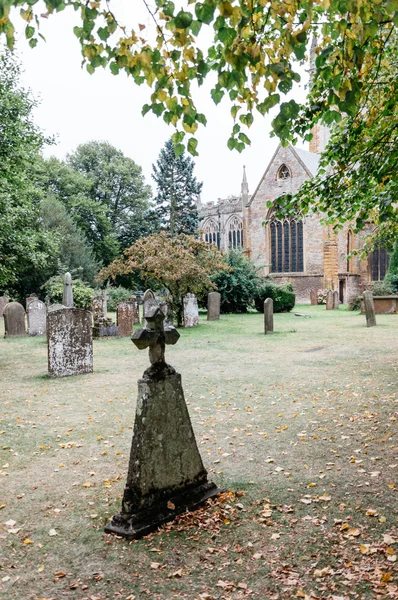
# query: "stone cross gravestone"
{"type": "Point", "coordinates": [3, 303]}
{"type": "Point", "coordinates": [314, 297]}
{"type": "Point", "coordinates": [166, 475]}
{"type": "Point", "coordinates": [37, 315]}
{"type": "Point", "coordinates": [336, 301]}
{"type": "Point", "coordinates": [213, 306]}
{"type": "Point", "coordinates": [14, 320]}
{"type": "Point", "coordinates": [268, 315]}
{"type": "Point", "coordinates": [191, 312]}
{"type": "Point", "coordinates": [69, 342]}
{"type": "Point", "coordinates": [125, 317]}
{"type": "Point", "coordinates": [67, 298]}
{"type": "Point", "coordinates": [369, 309]}
{"type": "Point", "coordinates": [329, 300]}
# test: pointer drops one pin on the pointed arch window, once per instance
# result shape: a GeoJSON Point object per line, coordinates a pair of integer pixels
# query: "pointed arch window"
{"type": "Point", "coordinates": [284, 172]}
{"type": "Point", "coordinates": [379, 262]}
{"type": "Point", "coordinates": [235, 233]}
{"type": "Point", "coordinates": [350, 247]}
{"type": "Point", "coordinates": [212, 233]}
{"type": "Point", "coordinates": [287, 246]}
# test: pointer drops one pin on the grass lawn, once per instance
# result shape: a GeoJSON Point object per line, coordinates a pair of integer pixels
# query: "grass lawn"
{"type": "Point", "coordinates": [299, 426]}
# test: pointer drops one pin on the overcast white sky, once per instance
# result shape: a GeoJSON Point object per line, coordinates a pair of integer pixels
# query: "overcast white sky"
{"type": "Point", "coordinates": [78, 107]}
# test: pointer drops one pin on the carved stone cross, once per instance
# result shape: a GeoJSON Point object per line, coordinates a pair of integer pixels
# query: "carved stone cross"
{"type": "Point", "coordinates": [154, 335]}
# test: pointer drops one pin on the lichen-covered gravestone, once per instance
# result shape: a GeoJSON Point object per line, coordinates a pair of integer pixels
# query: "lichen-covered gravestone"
{"type": "Point", "coordinates": [14, 320]}
{"type": "Point", "coordinates": [103, 326]}
{"type": "Point", "coordinates": [37, 315]}
{"type": "Point", "coordinates": [314, 297]}
{"type": "Point", "coordinates": [268, 315]}
{"type": "Point", "coordinates": [213, 306]}
{"type": "Point", "coordinates": [69, 341]}
{"type": "Point", "coordinates": [369, 309]}
{"type": "Point", "coordinates": [329, 300]}
{"type": "Point", "coordinates": [125, 317]}
{"type": "Point", "coordinates": [28, 300]}
{"type": "Point", "coordinates": [67, 298]}
{"type": "Point", "coordinates": [191, 312]}
{"type": "Point", "coordinates": [3, 303]}
{"type": "Point", "coordinates": [166, 475]}
{"type": "Point", "coordinates": [336, 300]}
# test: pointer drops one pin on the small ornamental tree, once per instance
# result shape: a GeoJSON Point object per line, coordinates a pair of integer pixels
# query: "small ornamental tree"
{"type": "Point", "coordinates": [177, 191]}
{"type": "Point", "coordinates": [182, 264]}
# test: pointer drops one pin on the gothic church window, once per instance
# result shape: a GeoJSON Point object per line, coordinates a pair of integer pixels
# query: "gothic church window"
{"type": "Point", "coordinates": [379, 261]}
{"type": "Point", "coordinates": [287, 247]}
{"type": "Point", "coordinates": [350, 247]}
{"type": "Point", "coordinates": [212, 233]}
{"type": "Point", "coordinates": [235, 233]}
{"type": "Point", "coordinates": [283, 172]}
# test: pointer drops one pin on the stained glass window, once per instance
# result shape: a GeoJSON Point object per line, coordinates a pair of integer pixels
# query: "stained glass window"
{"type": "Point", "coordinates": [287, 246]}
{"type": "Point", "coordinates": [235, 234]}
{"type": "Point", "coordinates": [283, 172]}
{"type": "Point", "coordinates": [212, 233]}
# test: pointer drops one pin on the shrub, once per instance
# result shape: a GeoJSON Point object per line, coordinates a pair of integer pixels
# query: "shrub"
{"type": "Point", "coordinates": [382, 288]}
{"type": "Point", "coordinates": [239, 286]}
{"type": "Point", "coordinates": [322, 296]}
{"type": "Point", "coordinates": [393, 281]}
{"type": "Point", "coordinates": [354, 303]}
{"type": "Point", "coordinates": [116, 295]}
{"type": "Point", "coordinates": [82, 293]}
{"type": "Point", "coordinates": [283, 296]}
{"type": "Point", "coordinates": [392, 274]}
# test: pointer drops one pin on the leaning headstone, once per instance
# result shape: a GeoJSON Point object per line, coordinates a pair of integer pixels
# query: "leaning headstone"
{"type": "Point", "coordinates": [213, 306]}
{"type": "Point", "coordinates": [336, 300]}
{"type": "Point", "coordinates": [28, 300]}
{"type": "Point", "coordinates": [14, 320]}
{"type": "Point", "coordinates": [166, 475]}
{"type": "Point", "coordinates": [268, 315]}
{"type": "Point", "coordinates": [329, 300]}
{"type": "Point", "coordinates": [314, 297]}
{"type": "Point", "coordinates": [369, 309]}
{"type": "Point", "coordinates": [191, 312]}
{"type": "Point", "coordinates": [3, 303]}
{"type": "Point", "coordinates": [125, 315]}
{"type": "Point", "coordinates": [70, 342]}
{"type": "Point", "coordinates": [67, 298]}
{"type": "Point", "coordinates": [37, 315]}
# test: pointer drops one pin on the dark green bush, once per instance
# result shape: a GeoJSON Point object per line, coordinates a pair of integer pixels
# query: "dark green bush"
{"type": "Point", "coordinates": [283, 296]}
{"type": "Point", "coordinates": [238, 286]}
{"type": "Point", "coordinates": [82, 293]}
{"type": "Point", "coordinates": [392, 274]}
{"type": "Point", "coordinates": [354, 303]}
{"type": "Point", "coordinates": [382, 288]}
{"type": "Point", "coordinates": [116, 295]}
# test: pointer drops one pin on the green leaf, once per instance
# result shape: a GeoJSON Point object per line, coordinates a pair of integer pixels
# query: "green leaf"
{"type": "Point", "coordinates": [192, 144]}
{"type": "Point", "coordinates": [243, 137]}
{"type": "Point", "coordinates": [103, 33]}
{"type": "Point", "coordinates": [231, 143]}
{"type": "Point", "coordinates": [217, 94]}
{"type": "Point", "coordinates": [168, 9]}
{"type": "Point", "coordinates": [114, 67]}
{"type": "Point", "coordinates": [177, 137]}
{"type": "Point", "coordinates": [271, 101]}
{"type": "Point", "coordinates": [226, 35]}
{"type": "Point", "coordinates": [183, 20]}
{"type": "Point", "coordinates": [78, 31]}
{"type": "Point", "coordinates": [145, 109]}
{"type": "Point", "coordinates": [90, 69]}
{"type": "Point", "coordinates": [179, 149]}
{"type": "Point", "coordinates": [204, 12]}
{"type": "Point", "coordinates": [29, 31]}
{"type": "Point", "coordinates": [201, 118]}
{"type": "Point", "coordinates": [33, 42]}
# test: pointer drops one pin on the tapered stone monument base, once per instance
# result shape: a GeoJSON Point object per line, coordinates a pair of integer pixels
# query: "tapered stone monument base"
{"type": "Point", "coordinates": [166, 474]}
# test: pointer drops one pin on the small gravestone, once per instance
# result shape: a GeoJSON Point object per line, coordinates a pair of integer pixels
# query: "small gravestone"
{"type": "Point", "coordinates": [67, 298]}
{"type": "Point", "coordinates": [134, 300]}
{"type": "Point", "coordinates": [166, 475]}
{"type": "Point", "coordinates": [167, 310]}
{"type": "Point", "coordinates": [125, 317]}
{"type": "Point", "coordinates": [37, 315]}
{"type": "Point", "coordinates": [28, 300]}
{"type": "Point", "coordinates": [70, 342]}
{"type": "Point", "coordinates": [14, 320]}
{"type": "Point", "coordinates": [191, 312]}
{"type": "Point", "coordinates": [268, 315]}
{"type": "Point", "coordinates": [3, 303]}
{"type": "Point", "coordinates": [329, 300]}
{"type": "Point", "coordinates": [213, 306]}
{"type": "Point", "coordinates": [103, 326]}
{"type": "Point", "coordinates": [314, 297]}
{"type": "Point", "coordinates": [336, 300]}
{"type": "Point", "coordinates": [369, 309]}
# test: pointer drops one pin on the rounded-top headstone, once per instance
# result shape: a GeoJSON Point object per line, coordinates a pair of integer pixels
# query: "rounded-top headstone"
{"type": "Point", "coordinates": [213, 306]}
{"type": "Point", "coordinates": [37, 314]}
{"type": "Point", "coordinates": [14, 320]}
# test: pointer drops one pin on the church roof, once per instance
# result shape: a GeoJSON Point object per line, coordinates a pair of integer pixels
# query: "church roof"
{"type": "Point", "coordinates": [310, 159]}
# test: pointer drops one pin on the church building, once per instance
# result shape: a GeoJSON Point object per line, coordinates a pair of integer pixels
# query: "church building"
{"type": "Point", "coordinates": [298, 250]}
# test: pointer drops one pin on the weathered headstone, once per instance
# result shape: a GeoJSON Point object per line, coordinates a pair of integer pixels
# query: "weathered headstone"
{"type": "Point", "coordinates": [134, 300]}
{"type": "Point", "coordinates": [103, 326]}
{"type": "Point", "coordinates": [104, 303]}
{"type": "Point", "coordinates": [70, 342]}
{"type": "Point", "coordinates": [336, 301]}
{"type": "Point", "coordinates": [329, 300]}
{"type": "Point", "coordinates": [67, 298]}
{"type": "Point", "coordinates": [268, 315]}
{"type": "Point", "coordinates": [3, 303]}
{"type": "Point", "coordinates": [166, 475]}
{"type": "Point", "coordinates": [37, 315]}
{"type": "Point", "coordinates": [213, 306]}
{"type": "Point", "coordinates": [55, 307]}
{"type": "Point", "coordinates": [14, 320]}
{"type": "Point", "coordinates": [167, 309]}
{"type": "Point", "coordinates": [125, 317]}
{"type": "Point", "coordinates": [314, 297]}
{"type": "Point", "coordinates": [28, 300]}
{"type": "Point", "coordinates": [191, 312]}
{"type": "Point", "coordinates": [369, 309]}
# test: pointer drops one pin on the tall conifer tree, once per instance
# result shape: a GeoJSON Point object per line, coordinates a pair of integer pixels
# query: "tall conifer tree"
{"type": "Point", "coordinates": [177, 191]}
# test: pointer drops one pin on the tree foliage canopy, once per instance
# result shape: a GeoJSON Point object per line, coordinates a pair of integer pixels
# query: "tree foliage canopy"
{"type": "Point", "coordinates": [254, 50]}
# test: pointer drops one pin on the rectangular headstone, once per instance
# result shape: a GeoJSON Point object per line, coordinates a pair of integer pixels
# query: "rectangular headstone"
{"type": "Point", "coordinates": [314, 297]}
{"type": "Point", "coordinates": [37, 315]}
{"type": "Point", "coordinates": [70, 342]}
{"type": "Point", "coordinates": [14, 320]}
{"type": "Point", "coordinates": [167, 310]}
{"type": "Point", "coordinates": [3, 303]}
{"type": "Point", "coordinates": [213, 306]}
{"type": "Point", "coordinates": [125, 317]}
{"type": "Point", "coordinates": [268, 315]}
{"type": "Point", "coordinates": [191, 312]}
{"type": "Point", "coordinates": [336, 301]}
{"type": "Point", "coordinates": [369, 309]}
{"type": "Point", "coordinates": [329, 300]}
